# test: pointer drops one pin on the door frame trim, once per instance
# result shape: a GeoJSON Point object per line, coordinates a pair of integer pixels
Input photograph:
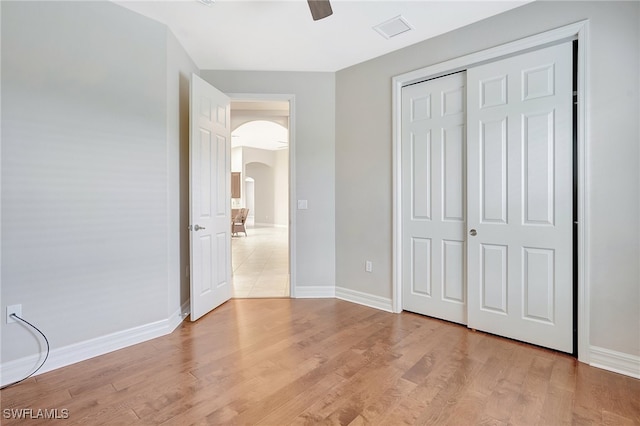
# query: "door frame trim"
{"type": "Point", "coordinates": [292, 171]}
{"type": "Point", "coordinates": [579, 31]}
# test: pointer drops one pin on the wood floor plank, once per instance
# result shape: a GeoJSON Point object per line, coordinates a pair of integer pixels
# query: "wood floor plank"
{"type": "Point", "coordinates": [612, 419]}
{"type": "Point", "coordinates": [528, 408]}
{"type": "Point", "coordinates": [557, 407]}
{"type": "Point", "coordinates": [327, 361]}
{"type": "Point", "coordinates": [296, 404]}
{"type": "Point", "coordinates": [451, 388]}
{"type": "Point", "coordinates": [387, 401]}
{"type": "Point", "coordinates": [359, 392]}
{"type": "Point", "coordinates": [564, 372]}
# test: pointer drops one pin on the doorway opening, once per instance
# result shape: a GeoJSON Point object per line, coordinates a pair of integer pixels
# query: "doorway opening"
{"type": "Point", "coordinates": [260, 154]}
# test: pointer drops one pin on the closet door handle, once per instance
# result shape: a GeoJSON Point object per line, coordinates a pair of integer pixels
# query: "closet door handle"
{"type": "Point", "coordinates": [198, 227]}
{"type": "Point", "coordinates": [473, 232]}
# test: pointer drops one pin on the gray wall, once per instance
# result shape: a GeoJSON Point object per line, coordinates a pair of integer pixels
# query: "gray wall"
{"type": "Point", "coordinates": [270, 169]}
{"type": "Point", "coordinates": [281, 187]}
{"type": "Point", "coordinates": [314, 160]}
{"type": "Point", "coordinates": [179, 70]}
{"type": "Point", "coordinates": [90, 175]}
{"type": "Point", "coordinates": [364, 169]}
{"type": "Point", "coordinates": [262, 174]}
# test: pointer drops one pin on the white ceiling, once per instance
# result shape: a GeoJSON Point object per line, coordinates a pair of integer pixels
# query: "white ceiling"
{"type": "Point", "coordinates": [281, 35]}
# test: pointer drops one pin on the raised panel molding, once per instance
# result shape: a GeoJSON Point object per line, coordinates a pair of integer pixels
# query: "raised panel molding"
{"type": "Point", "coordinates": [493, 92]}
{"type": "Point", "coordinates": [493, 173]}
{"type": "Point", "coordinates": [453, 161]}
{"type": "Point", "coordinates": [205, 109]}
{"type": "Point", "coordinates": [453, 281]}
{"type": "Point", "coordinates": [221, 116]}
{"type": "Point", "coordinates": [421, 108]}
{"type": "Point", "coordinates": [221, 267]}
{"type": "Point", "coordinates": [453, 102]}
{"type": "Point", "coordinates": [205, 170]}
{"type": "Point", "coordinates": [421, 266]}
{"type": "Point", "coordinates": [493, 285]}
{"type": "Point", "coordinates": [206, 252]}
{"type": "Point", "coordinates": [538, 161]}
{"type": "Point", "coordinates": [222, 184]}
{"type": "Point", "coordinates": [538, 284]}
{"type": "Point", "coordinates": [538, 82]}
{"type": "Point", "coordinates": [421, 184]}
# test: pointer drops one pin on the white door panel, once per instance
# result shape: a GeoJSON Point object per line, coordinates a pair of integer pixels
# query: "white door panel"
{"type": "Point", "coordinates": [210, 195]}
{"type": "Point", "coordinates": [433, 164]}
{"type": "Point", "coordinates": [519, 193]}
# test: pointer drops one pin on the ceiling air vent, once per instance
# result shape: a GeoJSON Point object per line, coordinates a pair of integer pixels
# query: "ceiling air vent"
{"type": "Point", "coordinates": [393, 27]}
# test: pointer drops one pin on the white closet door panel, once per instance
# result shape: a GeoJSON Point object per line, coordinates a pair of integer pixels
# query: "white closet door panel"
{"type": "Point", "coordinates": [519, 195]}
{"type": "Point", "coordinates": [493, 170]}
{"type": "Point", "coordinates": [452, 279]}
{"type": "Point", "coordinates": [434, 206]}
{"type": "Point", "coordinates": [420, 156]}
{"type": "Point", "coordinates": [493, 277]}
{"type": "Point", "coordinates": [453, 163]}
{"type": "Point", "coordinates": [421, 267]}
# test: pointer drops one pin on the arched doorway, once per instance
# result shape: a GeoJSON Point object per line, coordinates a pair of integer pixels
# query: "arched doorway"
{"type": "Point", "coordinates": [260, 153]}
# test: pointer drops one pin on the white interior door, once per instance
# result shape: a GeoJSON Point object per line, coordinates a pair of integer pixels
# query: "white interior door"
{"type": "Point", "coordinates": [433, 198]}
{"type": "Point", "coordinates": [519, 198]}
{"type": "Point", "coordinates": [210, 197]}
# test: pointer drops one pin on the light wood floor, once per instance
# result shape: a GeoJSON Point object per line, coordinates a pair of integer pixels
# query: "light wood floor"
{"type": "Point", "coordinates": [283, 361]}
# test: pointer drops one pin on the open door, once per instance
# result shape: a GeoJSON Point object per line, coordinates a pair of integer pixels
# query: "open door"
{"type": "Point", "coordinates": [209, 197]}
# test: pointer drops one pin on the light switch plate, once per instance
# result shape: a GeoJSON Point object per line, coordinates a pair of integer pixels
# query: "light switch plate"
{"type": "Point", "coordinates": [302, 204]}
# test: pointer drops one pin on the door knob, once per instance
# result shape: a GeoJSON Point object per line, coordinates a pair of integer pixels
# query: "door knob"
{"type": "Point", "coordinates": [198, 227]}
{"type": "Point", "coordinates": [473, 232]}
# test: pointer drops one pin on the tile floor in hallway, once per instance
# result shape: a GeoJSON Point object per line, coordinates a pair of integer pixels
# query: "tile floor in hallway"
{"type": "Point", "coordinates": [260, 262]}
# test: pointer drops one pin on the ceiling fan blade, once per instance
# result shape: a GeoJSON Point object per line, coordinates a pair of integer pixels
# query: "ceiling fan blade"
{"type": "Point", "coordinates": [320, 9]}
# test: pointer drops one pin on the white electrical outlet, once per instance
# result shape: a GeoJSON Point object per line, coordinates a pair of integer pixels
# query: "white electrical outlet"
{"type": "Point", "coordinates": [368, 266]}
{"type": "Point", "coordinates": [13, 309]}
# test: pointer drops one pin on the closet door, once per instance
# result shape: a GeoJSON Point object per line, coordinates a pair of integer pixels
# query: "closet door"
{"type": "Point", "coordinates": [519, 195]}
{"type": "Point", "coordinates": [433, 198]}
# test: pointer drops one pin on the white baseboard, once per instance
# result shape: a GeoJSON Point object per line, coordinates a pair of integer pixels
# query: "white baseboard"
{"type": "Point", "coordinates": [314, 292]}
{"type": "Point", "coordinates": [365, 299]}
{"type": "Point", "coordinates": [60, 357]}
{"type": "Point", "coordinates": [618, 362]}
{"type": "Point", "coordinates": [271, 225]}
